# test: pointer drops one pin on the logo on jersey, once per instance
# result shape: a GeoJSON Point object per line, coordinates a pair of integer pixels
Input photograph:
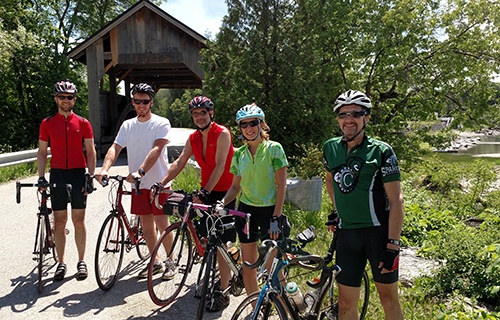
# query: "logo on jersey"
{"type": "Point", "coordinates": [391, 166]}
{"type": "Point", "coordinates": [347, 176]}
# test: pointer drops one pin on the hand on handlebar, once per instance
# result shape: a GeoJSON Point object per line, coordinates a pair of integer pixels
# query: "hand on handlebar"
{"type": "Point", "coordinates": [333, 221]}
{"type": "Point", "coordinates": [102, 178]}
{"type": "Point", "coordinates": [89, 184]}
{"type": "Point", "coordinates": [155, 190]}
{"type": "Point", "coordinates": [43, 184]}
{"type": "Point", "coordinates": [219, 209]}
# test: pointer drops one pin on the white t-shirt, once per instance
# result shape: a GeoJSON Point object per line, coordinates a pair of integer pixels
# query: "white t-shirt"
{"type": "Point", "coordinates": [138, 137]}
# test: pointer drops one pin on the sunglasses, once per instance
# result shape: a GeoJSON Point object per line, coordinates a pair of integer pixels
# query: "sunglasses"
{"type": "Point", "coordinates": [201, 113]}
{"type": "Point", "coordinates": [252, 123]}
{"type": "Point", "coordinates": [66, 97]}
{"type": "Point", "coordinates": [354, 114]}
{"type": "Point", "coordinates": [139, 101]}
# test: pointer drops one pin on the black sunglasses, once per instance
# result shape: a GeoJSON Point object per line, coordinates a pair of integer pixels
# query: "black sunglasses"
{"type": "Point", "coordinates": [139, 101]}
{"type": "Point", "coordinates": [66, 97]}
{"type": "Point", "coordinates": [252, 123]}
{"type": "Point", "coordinates": [354, 114]}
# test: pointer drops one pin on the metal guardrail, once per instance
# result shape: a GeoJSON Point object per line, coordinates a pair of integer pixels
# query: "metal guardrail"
{"type": "Point", "coordinates": [13, 158]}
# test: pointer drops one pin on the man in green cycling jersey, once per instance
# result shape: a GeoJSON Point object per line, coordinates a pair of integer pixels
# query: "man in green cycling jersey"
{"type": "Point", "coordinates": [363, 182]}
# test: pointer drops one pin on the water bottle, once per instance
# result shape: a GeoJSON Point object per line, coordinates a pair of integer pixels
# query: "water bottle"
{"type": "Point", "coordinates": [312, 296]}
{"type": "Point", "coordinates": [233, 251]}
{"type": "Point", "coordinates": [134, 223]}
{"type": "Point", "coordinates": [293, 292]}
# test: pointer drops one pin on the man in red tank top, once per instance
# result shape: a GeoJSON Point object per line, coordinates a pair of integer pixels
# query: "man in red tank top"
{"type": "Point", "coordinates": [65, 132]}
{"type": "Point", "coordinates": [212, 148]}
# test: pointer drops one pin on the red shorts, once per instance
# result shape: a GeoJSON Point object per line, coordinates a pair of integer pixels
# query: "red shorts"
{"type": "Point", "coordinates": [141, 206]}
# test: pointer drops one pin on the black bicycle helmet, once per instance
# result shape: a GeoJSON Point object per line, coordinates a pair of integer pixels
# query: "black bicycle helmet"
{"type": "Point", "coordinates": [143, 87]}
{"type": "Point", "coordinates": [200, 102]}
{"type": "Point", "coordinates": [65, 86]}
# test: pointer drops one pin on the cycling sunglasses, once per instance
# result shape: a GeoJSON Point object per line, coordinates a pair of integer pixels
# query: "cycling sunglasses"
{"type": "Point", "coordinates": [139, 101]}
{"type": "Point", "coordinates": [354, 114]}
{"type": "Point", "coordinates": [65, 97]}
{"type": "Point", "coordinates": [252, 123]}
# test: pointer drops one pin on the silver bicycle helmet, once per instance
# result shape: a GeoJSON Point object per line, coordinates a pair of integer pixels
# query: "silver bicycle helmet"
{"type": "Point", "coordinates": [65, 86]}
{"type": "Point", "coordinates": [353, 97]}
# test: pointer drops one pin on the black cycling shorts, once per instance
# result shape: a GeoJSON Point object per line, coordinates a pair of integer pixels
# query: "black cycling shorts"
{"type": "Point", "coordinates": [354, 247]}
{"type": "Point", "coordinates": [58, 194]}
{"type": "Point", "coordinates": [201, 224]}
{"type": "Point", "coordinates": [259, 223]}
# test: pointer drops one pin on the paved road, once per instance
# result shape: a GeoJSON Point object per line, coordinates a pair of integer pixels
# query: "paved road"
{"type": "Point", "coordinates": [128, 299]}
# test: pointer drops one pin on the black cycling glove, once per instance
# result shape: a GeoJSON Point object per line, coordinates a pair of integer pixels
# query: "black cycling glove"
{"type": "Point", "coordinates": [42, 183]}
{"type": "Point", "coordinates": [89, 183]}
{"type": "Point", "coordinates": [203, 196]}
{"type": "Point", "coordinates": [333, 219]}
{"type": "Point", "coordinates": [390, 259]}
{"type": "Point", "coordinates": [156, 188]}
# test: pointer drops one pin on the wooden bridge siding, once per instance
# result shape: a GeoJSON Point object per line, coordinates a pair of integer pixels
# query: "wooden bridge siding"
{"type": "Point", "coordinates": [157, 43]}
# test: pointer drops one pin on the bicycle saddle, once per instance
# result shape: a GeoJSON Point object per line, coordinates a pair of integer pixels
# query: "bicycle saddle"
{"type": "Point", "coordinates": [307, 235]}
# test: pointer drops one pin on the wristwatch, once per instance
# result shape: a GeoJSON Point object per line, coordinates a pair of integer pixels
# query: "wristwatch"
{"type": "Point", "coordinates": [394, 242]}
{"type": "Point", "coordinates": [141, 172]}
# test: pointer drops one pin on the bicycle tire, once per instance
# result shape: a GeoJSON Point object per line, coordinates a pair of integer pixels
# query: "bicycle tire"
{"type": "Point", "coordinates": [52, 243]}
{"type": "Point", "coordinates": [109, 252]}
{"type": "Point", "coordinates": [164, 292]}
{"type": "Point", "coordinates": [331, 312]}
{"type": "Point", "coordinates": [207, 282]}
{"type": "Point", "coordinates": [39, 249]}
{"type": "Point", "coordinates": [142, 248]}
{"type": "Point", "coordinates": [271, 308]}
{"type": "Point", "coordinates": [364, 297]}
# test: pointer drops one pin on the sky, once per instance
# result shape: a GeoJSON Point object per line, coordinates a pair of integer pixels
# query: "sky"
{"type": "Point", "coordinates": [199, 15]}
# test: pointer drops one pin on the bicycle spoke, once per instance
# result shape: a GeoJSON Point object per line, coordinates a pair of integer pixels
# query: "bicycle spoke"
{"type": "Point", "coordinates": [164, 290]}
{"type": "Point", "coordinates": [109, 252]}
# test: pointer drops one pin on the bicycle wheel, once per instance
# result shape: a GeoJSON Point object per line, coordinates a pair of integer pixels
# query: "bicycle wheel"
{"type": "Point", "coordinates": [109, 252]}
{"type": "Point", "coordinates": [40, 248]}
{"type": "Point", "coordinates": [271, 308]}
{"type": "Point", "coordinates": [332, 311]}
{"type": "Point", "coordinates": [142, 248]}
{"type": "Point", "coordinates": [208, 281]}
{"type": "Point", "coordinates": [163, 292]}
{"type": "Point", "coordinates": [51, 239]}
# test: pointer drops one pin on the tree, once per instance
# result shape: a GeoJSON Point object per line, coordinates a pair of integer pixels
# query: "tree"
{"type": "Point", "coordinates": [414, 59]}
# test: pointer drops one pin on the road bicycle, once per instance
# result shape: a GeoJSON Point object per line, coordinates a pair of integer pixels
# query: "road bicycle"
{"type": "Point", "coordinates": [112, 241]}
{"type": "Point", "coordinates": [187, 248]}
{"type": "Point", "coordinates": [44, 239]}
{"type": "Point", "coordinates": [272, 302]}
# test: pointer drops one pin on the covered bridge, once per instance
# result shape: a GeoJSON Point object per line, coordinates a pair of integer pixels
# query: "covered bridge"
{"type": "Point", "coordinates": [143, 44]}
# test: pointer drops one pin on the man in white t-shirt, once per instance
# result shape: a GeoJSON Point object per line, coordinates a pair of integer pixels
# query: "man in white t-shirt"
{"type": "Point", "coordinates": [145, 137]}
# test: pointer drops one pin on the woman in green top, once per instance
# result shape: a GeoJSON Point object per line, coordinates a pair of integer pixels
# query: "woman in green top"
{"type": "Point", "coordinates": [259, 169]}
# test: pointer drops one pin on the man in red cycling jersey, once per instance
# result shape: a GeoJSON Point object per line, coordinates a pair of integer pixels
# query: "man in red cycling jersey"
{"type": "Point", "coordinates": [65, 133]}
{"type": "Point", "coordinates": [213, 150]}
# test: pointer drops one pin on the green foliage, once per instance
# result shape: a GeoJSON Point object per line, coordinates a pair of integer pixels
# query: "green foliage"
{"type": "Point", "coordinates": [188, 180]}
{"type": "Point", "coordinates": [18, 171]}
{"type": "Point", "coordinates": [414, 59]}
{"type": "Point", "coordinates": [309, 164]}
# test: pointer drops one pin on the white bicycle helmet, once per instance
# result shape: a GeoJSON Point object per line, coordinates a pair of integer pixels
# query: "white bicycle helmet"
{"type": "Point", "coordinates": [353, 97]}
{"type": "Point", "coordinates": [250, 111]}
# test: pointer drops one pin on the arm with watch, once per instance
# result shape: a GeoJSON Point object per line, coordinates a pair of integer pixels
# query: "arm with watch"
{"type": "Point", "coordinates": [389, 261]}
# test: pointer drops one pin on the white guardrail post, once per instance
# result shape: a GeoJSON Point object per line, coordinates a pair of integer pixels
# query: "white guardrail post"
{"type": "Point", "coordinates": [13, 158]}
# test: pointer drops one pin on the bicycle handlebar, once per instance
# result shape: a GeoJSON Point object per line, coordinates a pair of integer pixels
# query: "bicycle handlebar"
{"type": "Point", "coordinates": [120, 178]}
{"type": "Point", "coordinates": [20, 185]}
{"type": "Point", "coordinates": [227, 211]}
{"type": "Point", "coordinates": [308, 261]}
